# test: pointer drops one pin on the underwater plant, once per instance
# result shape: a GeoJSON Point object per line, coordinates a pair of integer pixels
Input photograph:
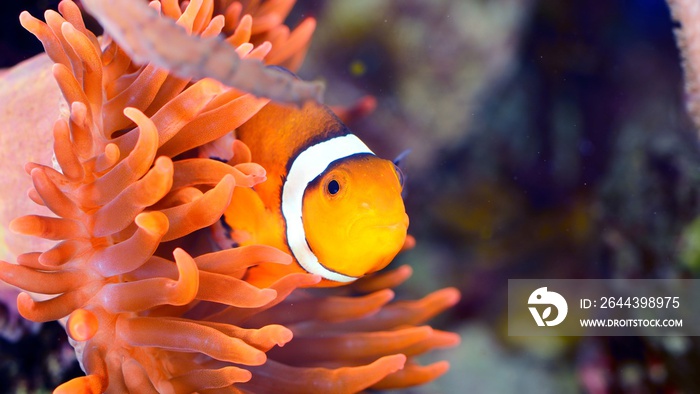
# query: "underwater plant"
{"type": "Point", "coordinates": [147, 300]}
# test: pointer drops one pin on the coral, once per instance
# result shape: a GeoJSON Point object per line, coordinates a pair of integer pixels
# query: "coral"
{"type": "Point", "coordinates": [29, 101]}
{"type": "Point", "coordinates": [130, 197]}
{"type": "Point", "coordinates": [686, 13]}
{"type": "Point", "coordinates": [207, 55]}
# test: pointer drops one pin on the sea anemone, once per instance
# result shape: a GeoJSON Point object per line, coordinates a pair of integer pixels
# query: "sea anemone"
{"type": "Point", "coordinates": [130, 195]}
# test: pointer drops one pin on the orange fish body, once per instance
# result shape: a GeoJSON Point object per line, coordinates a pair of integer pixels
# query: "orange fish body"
{"type": "Point", "coordinates": [328, 201]}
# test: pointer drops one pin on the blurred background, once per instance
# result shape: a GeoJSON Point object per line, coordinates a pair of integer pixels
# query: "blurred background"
{"type": "Point", "coordinates": [548, 140]}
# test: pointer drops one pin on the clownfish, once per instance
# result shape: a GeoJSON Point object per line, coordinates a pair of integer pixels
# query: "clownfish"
{"type": "Point", "coordinates": [327, 200]}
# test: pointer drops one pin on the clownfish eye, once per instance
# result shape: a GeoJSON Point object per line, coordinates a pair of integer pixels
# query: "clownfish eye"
{"type": "Point", "coordinates": [333, 187]}
{"type": "Point", "coordinates": [400, 175]}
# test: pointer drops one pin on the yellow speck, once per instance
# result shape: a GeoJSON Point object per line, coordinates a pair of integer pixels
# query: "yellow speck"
{"type": "Point", "coordinates": [358, 68]}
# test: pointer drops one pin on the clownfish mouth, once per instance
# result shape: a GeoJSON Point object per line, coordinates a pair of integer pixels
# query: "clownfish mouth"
{"type": "Point", "coordinates": [361, 227]}
{"type": "Point", "coordinates": [395, 226]}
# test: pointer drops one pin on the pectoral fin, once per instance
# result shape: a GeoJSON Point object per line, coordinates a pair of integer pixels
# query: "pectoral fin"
{"type": "Point", "coordinates": [245, 220]}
